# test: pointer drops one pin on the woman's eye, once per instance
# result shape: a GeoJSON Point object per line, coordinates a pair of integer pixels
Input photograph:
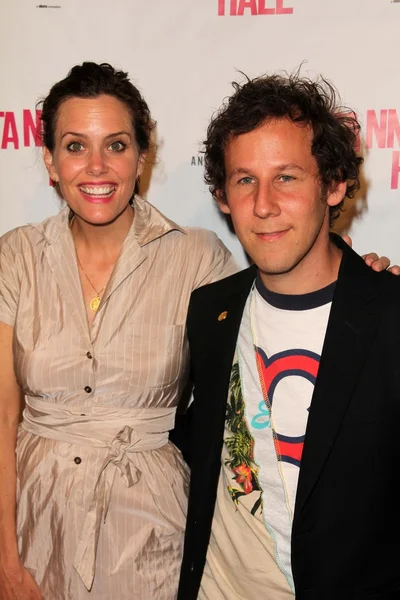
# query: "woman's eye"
{"type": "Point", "coordinates": [74, 147]}
{"type": "Point", "coordinates": [117, 146]}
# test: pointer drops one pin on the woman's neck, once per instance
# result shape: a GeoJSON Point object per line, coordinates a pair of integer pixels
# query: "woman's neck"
{"type": "Point", "coordinates": [104, 239]}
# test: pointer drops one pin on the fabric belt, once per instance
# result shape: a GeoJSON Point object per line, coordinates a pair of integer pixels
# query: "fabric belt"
{"type": "Point", "coordinates": [122, 431]}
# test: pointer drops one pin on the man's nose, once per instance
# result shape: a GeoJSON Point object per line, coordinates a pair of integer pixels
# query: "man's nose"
{"type": "Point", "coordinates": [266, 202]}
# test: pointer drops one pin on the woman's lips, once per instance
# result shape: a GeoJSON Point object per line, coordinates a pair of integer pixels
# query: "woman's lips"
{"type": "Point", "coordinates": [99, 193]}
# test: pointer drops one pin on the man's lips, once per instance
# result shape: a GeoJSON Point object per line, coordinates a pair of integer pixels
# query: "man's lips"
{"type": "Point", "coordinates": [272, 236]}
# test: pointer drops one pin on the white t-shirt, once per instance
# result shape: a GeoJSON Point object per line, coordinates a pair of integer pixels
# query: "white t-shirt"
{"type": "Point", "coordinates": [287, 332]}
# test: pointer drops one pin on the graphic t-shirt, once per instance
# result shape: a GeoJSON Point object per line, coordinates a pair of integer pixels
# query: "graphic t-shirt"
{"type": "Point", "coordinates": [276, 364]}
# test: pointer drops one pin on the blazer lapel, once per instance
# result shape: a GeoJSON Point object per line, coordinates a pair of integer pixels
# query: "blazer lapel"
{"type": "Point", "coordinates": [352, 324]}
{"type": "Point", "coordinates": [219, 326]}
{"type": "Point", "coordinates": [226, 316]}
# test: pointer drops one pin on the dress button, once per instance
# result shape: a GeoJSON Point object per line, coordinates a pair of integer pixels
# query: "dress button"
{"type": "Point", "coordinates": [88, 389]}
{"type": "Point", "coordinates": [89, 355]}
{"type": "Point", "coordinates": [77, 460]}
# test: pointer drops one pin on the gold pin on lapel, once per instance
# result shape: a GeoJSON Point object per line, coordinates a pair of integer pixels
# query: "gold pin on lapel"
{"type": "Point", "coordinates": [223, 315]}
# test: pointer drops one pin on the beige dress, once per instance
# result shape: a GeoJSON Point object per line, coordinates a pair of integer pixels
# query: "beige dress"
{"type": "Point", "coordinates": [101, 492]}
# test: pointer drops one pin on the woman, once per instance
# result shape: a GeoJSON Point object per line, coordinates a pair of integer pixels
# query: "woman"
{"type": "Point", "coordinates": [92, 314]}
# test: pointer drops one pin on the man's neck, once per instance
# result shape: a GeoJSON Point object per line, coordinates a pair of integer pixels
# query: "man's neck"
{"type": "Point", "coordinates": [308, 275]}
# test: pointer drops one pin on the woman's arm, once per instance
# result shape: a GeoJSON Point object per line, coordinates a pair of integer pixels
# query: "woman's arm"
{"type": "Point", "coordinates": [10, 406]}
{"type": "Point", "coordinates": [15, 581]}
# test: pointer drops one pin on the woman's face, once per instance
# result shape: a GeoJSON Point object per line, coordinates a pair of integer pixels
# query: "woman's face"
{"type": "Point", "coordinates": [95, 158]}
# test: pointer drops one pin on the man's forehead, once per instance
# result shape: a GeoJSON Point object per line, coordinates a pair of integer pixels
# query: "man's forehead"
{"type": "Point", "coordinates": [282, 140]}
{"type": "Point", "coordinates": [281, 124]}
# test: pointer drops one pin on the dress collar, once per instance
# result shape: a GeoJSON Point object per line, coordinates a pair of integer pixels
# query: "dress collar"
{"type": "Point", "coordinates": [148, 224]}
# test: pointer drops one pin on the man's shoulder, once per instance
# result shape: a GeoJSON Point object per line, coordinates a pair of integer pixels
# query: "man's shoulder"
{"type": "Point", "coordinates": [390, 289]}
{"type": "Point", "coordinates": [360, 286]}
{"type": "Point", "coordinates": [356, 270]}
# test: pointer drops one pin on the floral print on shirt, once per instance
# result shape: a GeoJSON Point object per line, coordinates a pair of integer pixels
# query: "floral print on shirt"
{"type": "Point", "coordinates": [240, 445]}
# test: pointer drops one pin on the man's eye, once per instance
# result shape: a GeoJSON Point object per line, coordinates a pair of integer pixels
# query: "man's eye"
{"type": "Point", "coordinates": [74, 147]}
{"type": "Point", "coordinates": [286, 178]}
{"type": "Point", "coordinates": [117, 146]}
{"type": "Point", "coordinates": [245, 180]}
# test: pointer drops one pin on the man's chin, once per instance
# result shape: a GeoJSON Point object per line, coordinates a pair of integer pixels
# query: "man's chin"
{"type": "Point", "coordinates": [274, 269]}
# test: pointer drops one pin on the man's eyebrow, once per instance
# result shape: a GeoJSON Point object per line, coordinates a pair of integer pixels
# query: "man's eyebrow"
{"type": "Point", "coordinates": [280, 167]}
{"type": "Point", "coordinates": [290, 166]}
{"type": "Point", "coordinates": [239, 170]}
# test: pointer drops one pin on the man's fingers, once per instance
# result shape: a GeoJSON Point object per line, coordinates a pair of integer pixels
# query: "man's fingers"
{"type": "Point", "coordinates": [395, 270]}
{"type": "Point", "coordinates": [348, 240]}
{"type": "Point", "coordinates": [372, 258]}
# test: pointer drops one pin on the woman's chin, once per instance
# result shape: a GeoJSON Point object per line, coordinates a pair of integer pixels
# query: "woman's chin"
{"type": "Point", "coordinates": [100, 216]}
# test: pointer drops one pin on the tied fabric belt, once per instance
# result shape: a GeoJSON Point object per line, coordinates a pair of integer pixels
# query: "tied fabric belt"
{"type": "Point", "coordinates": [122, 431]}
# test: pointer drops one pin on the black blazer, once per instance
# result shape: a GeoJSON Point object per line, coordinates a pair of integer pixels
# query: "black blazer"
{"type": "Point", "coordinates": [346, 529]}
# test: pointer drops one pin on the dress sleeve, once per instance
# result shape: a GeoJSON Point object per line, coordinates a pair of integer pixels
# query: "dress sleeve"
{"type": "Point", "coordinates": [216, 260]}
{"type": "Point", "coordinates": [9, 286]}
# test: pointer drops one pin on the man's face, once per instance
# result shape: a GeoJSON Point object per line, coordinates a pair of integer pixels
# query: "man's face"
{"type": "Point", "coordinates": [274, 197]}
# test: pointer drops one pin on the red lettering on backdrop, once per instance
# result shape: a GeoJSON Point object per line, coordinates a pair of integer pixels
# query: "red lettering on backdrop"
{"type": "Point", "coordinates": [31, 127]}
{"type": "Point", "coordinates": [386, 129]}
{"type": "Point", "coordinates": [393, 128]}
{"type": "Point", "coordinates": [282, 10]}
{"type": "Point", "coordinates": [232, 7]}
{"type": "Point", "coordinates": [10, 134]}
{"type": "Point", "coordinates": [395, 170]}
{"type": "Point", "coordinates": [263, 10]}
{"type": "Point", "coordinates": [247, 4]}
{"type": "Point", "coordinates": [256, 7]}
{"type": "Point", "coordinates": [379, 129]}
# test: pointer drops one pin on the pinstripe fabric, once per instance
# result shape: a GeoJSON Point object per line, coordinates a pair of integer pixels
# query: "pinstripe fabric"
{"type": "Point", "coordinates": [134, 356]}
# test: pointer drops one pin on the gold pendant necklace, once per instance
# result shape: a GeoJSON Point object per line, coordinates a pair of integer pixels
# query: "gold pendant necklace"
{"type": "Point", "coordinates": [95, 302]}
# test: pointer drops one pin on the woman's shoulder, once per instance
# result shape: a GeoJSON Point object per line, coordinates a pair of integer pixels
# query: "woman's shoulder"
{"type": "Point", "coordinates": [207, 255]}
{"type": "Point", "coordinates": [197, 244]}
{"type": "Point", "coordinates": [32, 234]}
{"type": "Point", "coordinates": [204, 239]}
{"type": "Point", "coordinates": [15, 238]}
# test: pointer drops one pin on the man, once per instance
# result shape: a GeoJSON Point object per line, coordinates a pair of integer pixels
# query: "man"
{"type": "Point", "coordinates": [295, 453]}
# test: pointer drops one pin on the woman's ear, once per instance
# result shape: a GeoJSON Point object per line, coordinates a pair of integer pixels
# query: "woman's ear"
{"type": "Point", "coordinates": [141, 163]}
{"type": "Point", "coordinates": [48, 161]}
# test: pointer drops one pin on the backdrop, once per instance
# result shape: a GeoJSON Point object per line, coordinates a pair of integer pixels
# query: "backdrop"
{"type": "Point", "coordinates": [183, 55]}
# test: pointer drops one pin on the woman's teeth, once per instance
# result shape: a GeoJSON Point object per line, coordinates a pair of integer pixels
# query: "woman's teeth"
{"type": "Point", "coordinates": [98, 190]}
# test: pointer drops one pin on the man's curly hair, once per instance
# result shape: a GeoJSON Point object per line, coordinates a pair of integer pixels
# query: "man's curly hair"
{"type": "Point", "coordinates": [303, 101]}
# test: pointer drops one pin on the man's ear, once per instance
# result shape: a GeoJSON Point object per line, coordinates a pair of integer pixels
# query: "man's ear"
{"type": "Point", "coordinates": [48, 161]}
{"type": "Point", "coordinates": [336, 194]}
{"type": "Point", "coordinates": [222, 203]}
